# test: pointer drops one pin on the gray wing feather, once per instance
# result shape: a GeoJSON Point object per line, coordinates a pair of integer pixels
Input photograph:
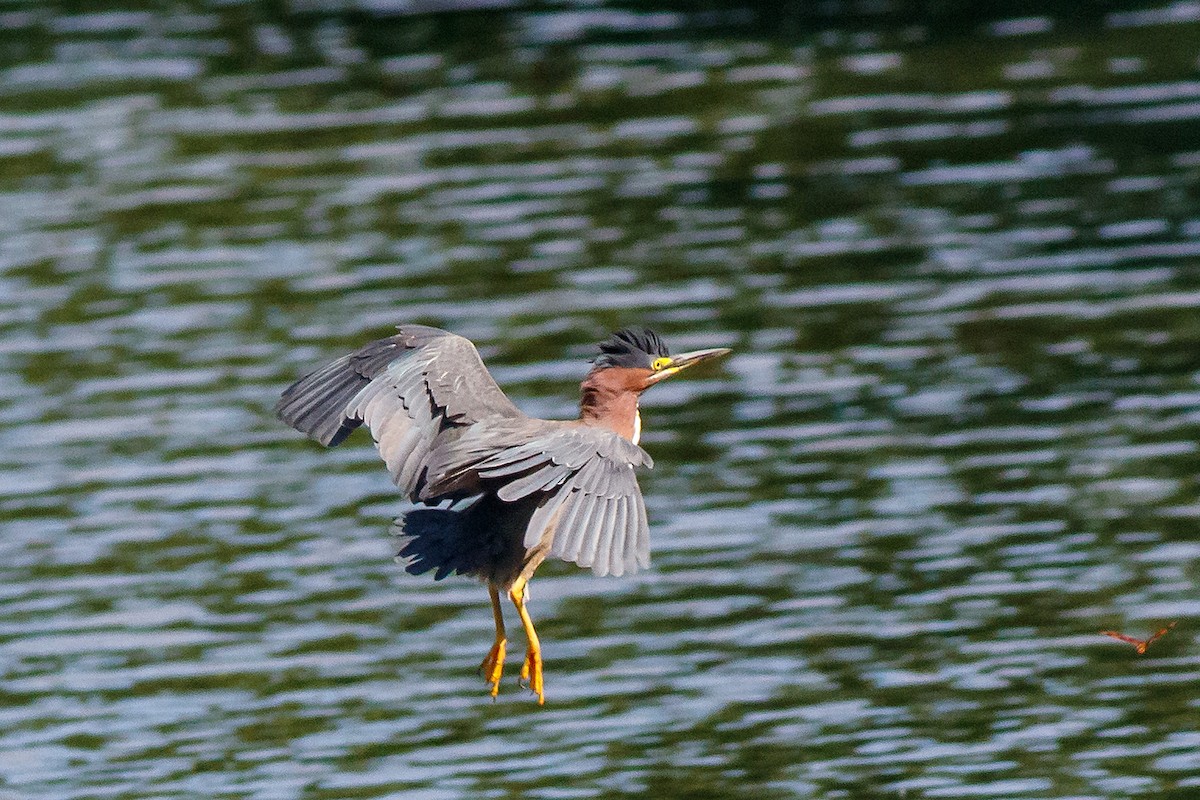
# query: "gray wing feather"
{"type": "Point", "coordinates": [401, 431]}
{"type": "Point", "coordinates": [513, 467]}
{"type": "Point", "coordinates": [397, 450]}
{"type": "Point", "coordinates": [594, 547]}
{"type": "Point", "coordinates": [616, 552]}
{"type": "Point", "coordinates": [421, 380]}
{"type": "Point", "coordinates": [589, 519]}
{"type": "Point", "coordinates": [616, 545]}
{"type": "Point", "coordinates": [571, 525]}
{"type": "Point", "coordinates": [641, 546]}
{"type": "Point", "coordinates": [392, 438]}
{"type": "Point", "coordinates": [571, 546]}
{"type": "Point", "coordinates": [540, 480]}
{"type": "Point", "coordinates": [306, 407]}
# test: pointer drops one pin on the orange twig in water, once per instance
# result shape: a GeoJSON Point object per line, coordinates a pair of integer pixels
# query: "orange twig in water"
{"type": "Point", "coordinates": [1140, 644]}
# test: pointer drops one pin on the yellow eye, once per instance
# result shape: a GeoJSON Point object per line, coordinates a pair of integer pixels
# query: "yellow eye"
{"type": "Point", "coordinates": [660, 363]}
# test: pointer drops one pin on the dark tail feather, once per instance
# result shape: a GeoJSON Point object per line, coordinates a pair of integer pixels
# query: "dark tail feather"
{"type": "Point", "coordinates": [316, 404]}
{"type": "Point", "coordinates": [438, 539]}
{"type": "Point", "coordinates": [481, 537]}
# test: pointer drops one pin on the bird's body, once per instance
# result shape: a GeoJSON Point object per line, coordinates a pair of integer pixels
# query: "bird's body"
{"type": "Point", "coordinates": [510, 489]}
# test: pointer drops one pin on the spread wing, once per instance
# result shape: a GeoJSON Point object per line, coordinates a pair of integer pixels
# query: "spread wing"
{"type": "Point", "coordinates": [582, 479]}
{"type": "Point", "coordinates": [601, 519]}
{"type": "Point", "coordinates": [445, 430]}
{"type": "Point", "coordinates": [407, 389]}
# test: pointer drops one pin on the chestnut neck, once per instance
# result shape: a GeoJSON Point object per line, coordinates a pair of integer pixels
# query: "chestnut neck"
{"type": "Point", "coordinates": [610, 399]}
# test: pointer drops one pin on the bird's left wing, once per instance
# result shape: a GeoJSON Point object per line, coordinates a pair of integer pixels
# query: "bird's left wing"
{"type": "Point", "coordinates": [583, 478]}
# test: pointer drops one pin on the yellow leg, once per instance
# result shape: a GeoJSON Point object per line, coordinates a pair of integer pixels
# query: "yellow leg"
{"type": "Point", "coordinates": [493, 665]}
{"type": "Point", "coordinates": [531, 670]}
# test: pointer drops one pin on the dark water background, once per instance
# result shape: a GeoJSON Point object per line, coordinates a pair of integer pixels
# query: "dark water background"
{"type": "Point", "coordinates": [955, 251]}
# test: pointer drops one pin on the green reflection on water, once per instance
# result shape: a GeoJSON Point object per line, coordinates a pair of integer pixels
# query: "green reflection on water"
{"type": "Point", "coordinates": [887, 528]}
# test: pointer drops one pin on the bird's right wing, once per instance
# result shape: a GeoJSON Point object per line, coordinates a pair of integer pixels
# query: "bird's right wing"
{"type": "Point", "coordinates": [407, 389]}
{"type": "Point", "coordinates": [583, 478]}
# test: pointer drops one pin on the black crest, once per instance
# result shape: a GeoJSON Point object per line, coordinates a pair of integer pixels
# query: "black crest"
{"type": "Point", "coordinates": [631, 347]}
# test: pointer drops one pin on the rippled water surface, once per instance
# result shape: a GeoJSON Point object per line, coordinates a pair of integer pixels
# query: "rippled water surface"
{"type": "Point", "coordinates": [956, 257]}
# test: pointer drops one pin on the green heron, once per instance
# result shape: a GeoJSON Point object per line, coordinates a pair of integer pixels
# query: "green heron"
{"type": "Point", "coordinates": [510, 489]}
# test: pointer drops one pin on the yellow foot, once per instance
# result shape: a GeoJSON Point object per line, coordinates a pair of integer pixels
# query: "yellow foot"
{"type": "Point", "coordinates": [531, 674]}
{"type": "Point", "coordinates": [493, 666]}
{"type": "Point", "coordinates": [531, 670]}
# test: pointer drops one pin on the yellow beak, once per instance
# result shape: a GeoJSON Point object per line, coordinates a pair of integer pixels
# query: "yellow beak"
{"type": "Point", "coordinates": [676, 364]}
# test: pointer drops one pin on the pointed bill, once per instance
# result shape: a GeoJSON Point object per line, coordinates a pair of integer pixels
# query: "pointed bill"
{"type": "Point", "coordinates": [680, 362]}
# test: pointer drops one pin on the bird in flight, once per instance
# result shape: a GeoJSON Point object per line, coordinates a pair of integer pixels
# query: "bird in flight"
{"type": "Point", "coordinates": [509, 489]}
{"type": "Point", "coordinates": [1140, 644]}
